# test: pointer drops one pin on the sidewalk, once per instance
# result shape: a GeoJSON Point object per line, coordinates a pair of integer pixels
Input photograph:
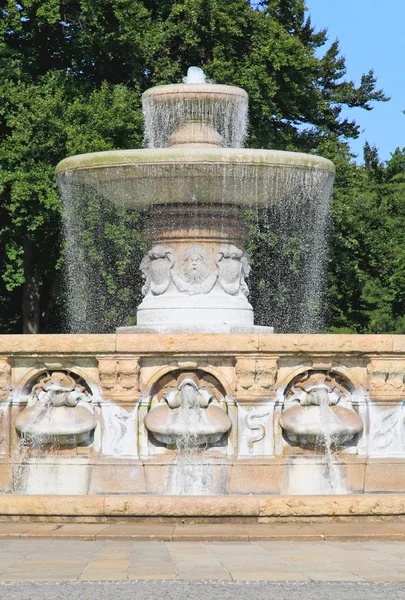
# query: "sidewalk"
{"type": "Point", "coordinates": [33, 559]}
{"type": "Point", "coordinates": [247, 532]}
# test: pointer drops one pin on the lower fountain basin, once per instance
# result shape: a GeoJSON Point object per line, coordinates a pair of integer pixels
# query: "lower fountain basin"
{"type": "Point", "coordinates": [171, 426]}
{"type": "Point", "coordinates": [61, 425]}
{"type": "Point", "coordinates": [310, 425]}
{"type": "Point", "coordinates": [137, 179]}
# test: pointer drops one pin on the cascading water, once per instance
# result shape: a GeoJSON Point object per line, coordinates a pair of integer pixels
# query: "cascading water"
{"type": "Point", "coordinates": [332, 483]}
{"type": "Point", "coordinates": [286, 197]}
{"type": "Point", "coordinates": [196, 193]}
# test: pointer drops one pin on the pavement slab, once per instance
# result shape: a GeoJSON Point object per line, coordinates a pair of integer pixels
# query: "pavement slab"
{"type": "Point", "coordinates": [131, 559]}
{"type": "Point", "coordinates": [328, 531]}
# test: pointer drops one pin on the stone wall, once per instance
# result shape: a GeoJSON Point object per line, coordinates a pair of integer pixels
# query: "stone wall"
{"type": "Point", "coordinates": [277, 394]}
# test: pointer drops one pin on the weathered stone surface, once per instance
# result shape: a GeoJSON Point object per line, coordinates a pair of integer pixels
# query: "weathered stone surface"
{"type": "Point", "coordinates": [325, 344]}
{"type": "Point", "coordinates": [317, 506]}
{"type": "Point", "coordinates": [385, 475]}
{"type": "Point", "coordinates": [31, 505]}
{"type": "Point", "coordinates": [57, 343]}
{"type": "Point", "coordinates": [117, 479]}
{"type": "Point", "coordinates": [265, 478]}
{"type": "Point", "coordinates": [370, 505]}
{"type": "Point", "coordinates": [192, 342]}
{"type": "Point", "coordinates": [178, 506]}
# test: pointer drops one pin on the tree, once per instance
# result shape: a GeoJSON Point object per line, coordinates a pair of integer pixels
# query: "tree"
{"type": "Point", "coordinates": [72, 74]}
{"type": "Point", "coordinates": [366, 270]}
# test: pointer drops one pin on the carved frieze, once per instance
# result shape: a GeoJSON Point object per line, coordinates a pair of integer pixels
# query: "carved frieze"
{"type": "Point", "coordinates": [192, 272]}
{"type": "Point", "coordinates": [119, 377]}
{"type": "Point", "coordinates": [256, 374]}
{"type": "Point", "coordinates": [387, 376]}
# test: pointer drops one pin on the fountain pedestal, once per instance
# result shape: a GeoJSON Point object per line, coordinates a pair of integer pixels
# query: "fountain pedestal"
{"type": "Point", "coordinates": [195, 273]}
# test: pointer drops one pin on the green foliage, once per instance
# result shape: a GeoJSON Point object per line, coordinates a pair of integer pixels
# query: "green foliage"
{"type": "Point", "coordinates": [366, 270]}
{"type": "Point", "coordinates": [72, 73]}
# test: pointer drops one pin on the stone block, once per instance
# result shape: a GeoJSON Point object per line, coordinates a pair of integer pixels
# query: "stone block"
{"type": "Point", "coordinates": [32, 505]}
{"type": "Point", "coordinates": [249, 477]}
{"type": "Point", "coordinates": [398, 343]}
{"type": "Point", "coordinates": [182, 506]}
{"type": "Point", "coordinates": [6, 483]}
{"type": "Point", "coordinates": [225, 343]}
{"type": "Point", "coordinates": [57, 343]}
{"type": "Point", "coordinates": [324, 344]}
{"type": "Point", "coordinates": [183, 478]}
{"type": "Point", "coordinates": [332, 506]}
{"type": "Point", "coordinates": [385, 475]}
{"type": "Point", "coordinates": [117, 479]}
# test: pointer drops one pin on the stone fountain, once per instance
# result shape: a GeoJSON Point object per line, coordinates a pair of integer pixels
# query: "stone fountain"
{"type": "Point", "coordinates": [195, 399]}
{"type": "Point", "coordinates": [194, 184]}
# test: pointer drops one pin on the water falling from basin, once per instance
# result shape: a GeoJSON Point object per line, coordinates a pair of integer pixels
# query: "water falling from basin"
{"type": "Point", "coordinates": [192, 185]}
{"type": "Point", "coordinates": [195, 192]}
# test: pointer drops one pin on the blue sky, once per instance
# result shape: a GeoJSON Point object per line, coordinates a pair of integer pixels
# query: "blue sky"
{"type": "Point", "coordinates": [371, 35]}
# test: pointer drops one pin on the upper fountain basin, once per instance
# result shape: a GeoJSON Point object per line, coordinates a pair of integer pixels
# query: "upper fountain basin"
{"type": "Point", "coordinates": [221, 108]}
{"type": "Point", "coordinates": [137, 179]}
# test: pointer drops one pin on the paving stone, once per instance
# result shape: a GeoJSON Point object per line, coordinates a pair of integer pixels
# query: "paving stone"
{"type": "Point", "coordinates": [358, 531]}
{"type": "Point", "coordinates": [195, 562]}
{"type": "Point", "coordinates": [70, 530]}
{"type": "Point", "coordinates": [210, 532]}
{"type": "Point", "coordinates": [277, 531]}
{"type": "Point", "coordinates": [151, 560]}
{"type": "Point", "coordinates": [14, 529]}
{"type": "Point", "coordinates": [144, 531]}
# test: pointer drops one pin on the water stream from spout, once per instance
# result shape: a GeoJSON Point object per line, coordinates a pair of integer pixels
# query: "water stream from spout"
{"type": "Point", "coordinates": [332, 477]}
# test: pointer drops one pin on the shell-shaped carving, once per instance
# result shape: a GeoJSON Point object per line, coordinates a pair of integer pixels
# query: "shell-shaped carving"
{"type": "Point", "coordinates": [59, 410]}
{"type": "Point", "coordinates": [318, 411]}
{"type": "Point", "coordinates": [188, 414]}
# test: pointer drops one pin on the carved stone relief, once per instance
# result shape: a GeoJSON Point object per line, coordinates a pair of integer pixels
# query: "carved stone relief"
{"type": "Point", "coordinates": [318, 410]}
{"type": "Point", "coordinates": [5, 380]}
{"type": "Point", "coordinates": [188, 410]}
{"type": "Point", "coordinates": [119, 376]}
{"type": "Point", "coordinates": [156, 268]}
{"type": "Point", "coordinates": [254, 422]}
{"type": "Point", "coordinates": [59, 410]}
{"type": "Point", "coordinates": [192, 271]}
{"type": "Point", "coordinates": [196, 275]}
{"type": "Point", "coordinates": [387, 376]}
{"type": "Point", "coordinates": [255, 374]}
{"type": "Point", "coordinates": [233, 269]}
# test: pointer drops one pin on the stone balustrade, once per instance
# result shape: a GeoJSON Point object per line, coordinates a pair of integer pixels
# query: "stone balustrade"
{"type": "Point", "coordinates": [253, 378]}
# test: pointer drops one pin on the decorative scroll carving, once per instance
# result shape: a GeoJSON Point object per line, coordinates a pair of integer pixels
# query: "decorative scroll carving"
{"type": "Point", "coordinates": [189, 411]}
{"type": "Point", "coordinates": [252, 422]}
{"type": "Point", "coordinates": [156, 268]}
{"type": "Point", "coordinates": [318, 409]}
{"type": "Point", "coordinates": [255, 375]}
{"type": "Point", "coordinates": [233, 269]}
{"type": "Point", "coordinates": [59, 409]}
{"type": "Point", "coordinates": [5, 380]}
